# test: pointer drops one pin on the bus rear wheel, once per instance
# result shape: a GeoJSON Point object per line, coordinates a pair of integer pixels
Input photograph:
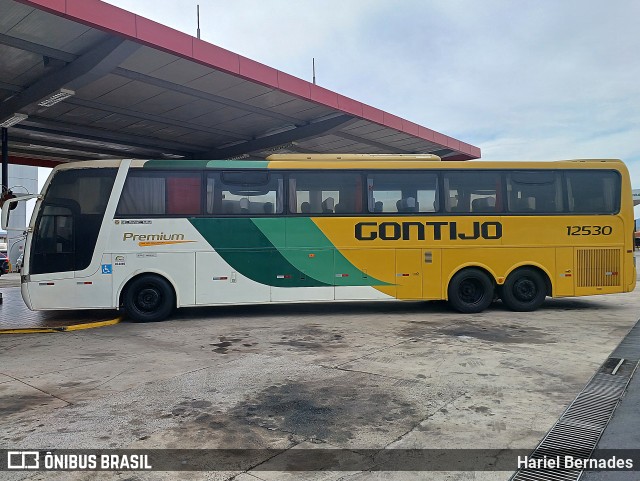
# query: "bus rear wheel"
{"type": "Point", "coordinates": [524, 290]}
{"type": "Point", "coordinates": [470, 290]}
{"type": "Point", "coordinates": [149, 298]}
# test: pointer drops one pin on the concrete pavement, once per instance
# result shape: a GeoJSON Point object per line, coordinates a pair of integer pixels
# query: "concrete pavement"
{"type": "Point", "coordinates": [351, 375]}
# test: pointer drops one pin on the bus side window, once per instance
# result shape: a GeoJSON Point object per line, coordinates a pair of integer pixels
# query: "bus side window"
{"type": "Point", "coordinates": [403, 192]}
{"type": "Point", "coordinates": [534, 191]}
{"type": "Point", "coordinates": [244, 193]}
{"type": "Point", "coordinates": [473, 191]}
{"type": "Point", "coordinates": [160, 193]}
{"type": "Point", "coordinates": [593, 192]}
{"type": "Point", "coordinates": [325, 193]}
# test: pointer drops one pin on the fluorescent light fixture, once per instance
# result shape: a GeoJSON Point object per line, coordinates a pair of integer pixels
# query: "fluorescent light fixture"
{"type": "Point", "coordinates": [56, 97]}
{"type": "Point", "coordinates": [13, 120]}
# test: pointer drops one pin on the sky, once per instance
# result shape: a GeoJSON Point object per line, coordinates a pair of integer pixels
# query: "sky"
{"type": "Point", "coordinates": [537, 80]}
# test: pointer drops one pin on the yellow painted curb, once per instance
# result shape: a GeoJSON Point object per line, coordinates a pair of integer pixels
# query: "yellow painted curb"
{"type": "Point", "coordinates": [75, 327]}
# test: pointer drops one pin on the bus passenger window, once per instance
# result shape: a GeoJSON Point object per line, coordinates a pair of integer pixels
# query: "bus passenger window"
{"type": "Point", "coordinates": [593, 192]}
{"type": "Point", "coordinates": [160, 193]}
{"type": "Point", "coordinates": [403, 192]}
{"type": "Point", "coordinates": [473, 192]}
{"type": "Point", "coordinates": [244, 193]}
{"type": "Point", "coordinates": [534, 191]}
{"type": "Point", "coordinates": [325, 193]}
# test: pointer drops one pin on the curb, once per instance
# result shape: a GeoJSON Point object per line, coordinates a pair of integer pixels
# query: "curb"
{"type": "Point", "coordinates": [75, 327]}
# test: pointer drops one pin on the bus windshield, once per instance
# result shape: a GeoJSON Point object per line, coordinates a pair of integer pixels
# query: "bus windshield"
{"type": "Point", "coordinates": [69, 220]}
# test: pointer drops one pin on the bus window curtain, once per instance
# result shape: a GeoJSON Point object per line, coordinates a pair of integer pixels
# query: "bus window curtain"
{"type": "Point", "coordinates": [358, 198]}
{"type": "Point", "coordinates": [293, 197]}
{"type": "Point", "coordinates": [499, 207]}
{"type": "Point", "coordinates": [280, 196]}
{"type": "Point", "coordinates": [143, 196]}
{"type": "Point", "coordinates": [609, 194]}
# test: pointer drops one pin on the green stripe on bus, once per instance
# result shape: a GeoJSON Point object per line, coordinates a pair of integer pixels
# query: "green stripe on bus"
{"type": "Point", "coordinates": [258, 249]}
{"type": "Point", "coordinates": [312, 252]}
{"type": "Point", "coordinates": [237, 164]}
{"type": "Point", "coordinates": [206, 164]}
{"type": "Point", "coordinates": [245, 248]}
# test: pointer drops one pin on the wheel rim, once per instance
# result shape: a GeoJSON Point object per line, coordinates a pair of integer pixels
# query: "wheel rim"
{"type": "Point", "coordinates": [148, 299]}
{"type": "Point", "coordinates": [525, 289]}
{"type": "Point", "coordinates": [471, 291]}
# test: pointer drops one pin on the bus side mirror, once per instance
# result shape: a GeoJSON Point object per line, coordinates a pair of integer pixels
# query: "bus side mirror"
{"type": "Point", "coordinates": [7, 206]}
{"type": "Point", "coordinates": [7, 195]}
{"type": "Point", "coordinates": [8, 202]}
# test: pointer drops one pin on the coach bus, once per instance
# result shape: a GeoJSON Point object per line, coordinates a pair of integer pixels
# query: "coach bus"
{"type": "Point", "coordinates": [150, 236]}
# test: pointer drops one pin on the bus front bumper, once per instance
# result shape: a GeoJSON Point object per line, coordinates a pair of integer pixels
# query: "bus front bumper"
{"type": "Point", "coordinates": [24, 290]}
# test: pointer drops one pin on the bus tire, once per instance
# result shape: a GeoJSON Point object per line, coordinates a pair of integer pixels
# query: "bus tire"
{"type": "Point", "coordinates": [524, 290]}
{"type": "Point", "coordinates": [470, 290]}
{"type": "Point", "coordinates": [149, 298]}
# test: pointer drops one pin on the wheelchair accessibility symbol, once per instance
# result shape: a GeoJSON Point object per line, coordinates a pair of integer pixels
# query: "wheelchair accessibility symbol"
{"type": "Point", "coordinates": [107, 269]}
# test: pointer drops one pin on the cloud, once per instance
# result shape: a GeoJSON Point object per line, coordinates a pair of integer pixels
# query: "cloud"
{"type": "Point", "coordinates": [521, 80]}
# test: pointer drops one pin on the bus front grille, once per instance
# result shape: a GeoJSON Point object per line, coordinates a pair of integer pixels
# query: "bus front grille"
{"type": "Point", "coordinates": [598, 268]}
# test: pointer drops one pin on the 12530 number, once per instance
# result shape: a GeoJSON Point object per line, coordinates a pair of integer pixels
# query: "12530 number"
{"type": "Point", "coordinates": [589, 230]}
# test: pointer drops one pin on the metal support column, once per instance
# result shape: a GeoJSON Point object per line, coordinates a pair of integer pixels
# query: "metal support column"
{"type": "Point", "coordinates": [5, 159]}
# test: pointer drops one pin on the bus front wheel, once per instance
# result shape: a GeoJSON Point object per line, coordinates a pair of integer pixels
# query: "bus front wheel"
{"type": "Point", "coordinates": [149, 298]}
{"type": "Point", "coordinates": [524, 290]}
{"type": "Point", "coordinates": [470, 290]}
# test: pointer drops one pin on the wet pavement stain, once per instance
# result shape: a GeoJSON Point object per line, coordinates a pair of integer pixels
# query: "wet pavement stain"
{"type": "Point", "coordinates": [311, 337]}
{"type": "Point", "coordinates": [71, 384]}
{"type": "Point", "coordinates": [13, 404]}
{"type": "Point", "coordinates": [481, 409]}
{"type": "Point", "coordinates": [201, 424]}
{"type": "Point", "coordinates": [227, 343]}
{"type": "Point", "coordinates": [506, 333]}
{"type": "Point", "coordinates": [421, 329]}
{"type": "Point", "coordinates": [96, 355]}
{"type": "Point", "coordinates": [186, 408]}
{"type": "Point", "coordinates": [330, 413]}
{"type": "Point", "coordinates": [335, 410]}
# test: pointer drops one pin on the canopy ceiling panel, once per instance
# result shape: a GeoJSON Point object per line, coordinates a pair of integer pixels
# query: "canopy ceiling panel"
{"type": "Point", "coordinates": [82, 79]}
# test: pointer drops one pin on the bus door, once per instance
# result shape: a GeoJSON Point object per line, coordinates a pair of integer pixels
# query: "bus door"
{"type": "Point", "coordinates": [55, 257]}
{"type": "Point", "coordinates": [53, 251]}
{"type": "Point", "coordinates": [409, 273]}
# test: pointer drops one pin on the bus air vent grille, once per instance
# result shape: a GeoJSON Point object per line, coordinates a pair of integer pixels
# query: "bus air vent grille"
{"type": "Point", "coordinates": [598, 267]}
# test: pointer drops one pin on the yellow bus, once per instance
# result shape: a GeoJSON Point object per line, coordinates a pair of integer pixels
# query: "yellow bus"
{"type": "Point", "coordinates": [149, 236]}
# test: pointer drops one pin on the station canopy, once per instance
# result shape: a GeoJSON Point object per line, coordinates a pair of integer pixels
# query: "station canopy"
{"type": "Point", "coordinates": [83, 79]}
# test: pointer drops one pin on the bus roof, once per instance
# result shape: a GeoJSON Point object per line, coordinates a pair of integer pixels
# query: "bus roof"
{"type": "Point", "coordinates": [349, 161]}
